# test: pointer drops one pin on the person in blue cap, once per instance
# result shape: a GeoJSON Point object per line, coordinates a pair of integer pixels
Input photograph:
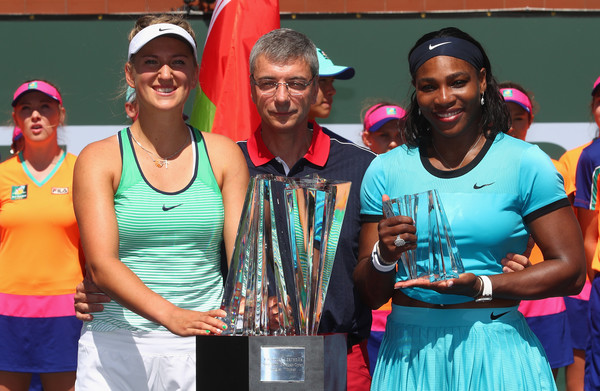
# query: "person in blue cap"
{"type": "Point", "coordinates": [328, 73]}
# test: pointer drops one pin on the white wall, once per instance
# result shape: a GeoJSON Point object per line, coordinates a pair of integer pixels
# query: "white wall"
{"type": "Point", "coordinates": [565, 134]}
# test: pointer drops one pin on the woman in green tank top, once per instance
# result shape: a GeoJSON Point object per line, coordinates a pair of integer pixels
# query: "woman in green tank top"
{"type": "Point", "coordinates": [153, 204]}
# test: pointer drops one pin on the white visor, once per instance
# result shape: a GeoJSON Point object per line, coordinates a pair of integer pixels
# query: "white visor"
{"type": "Point", "coordinates": [157, 30]}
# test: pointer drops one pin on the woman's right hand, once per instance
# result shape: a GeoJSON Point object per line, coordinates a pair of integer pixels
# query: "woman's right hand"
{"type": "Point", "coordinates": [389, 230]}
{"type": "Point", "coordinates": [186, 323]}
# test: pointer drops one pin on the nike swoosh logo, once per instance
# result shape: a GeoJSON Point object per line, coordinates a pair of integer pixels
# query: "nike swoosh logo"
{"type": "Point", "coordinates": [494, 317]}
{"type": "Point", "coordinates": [431, 47]}
{"type": "Point", "coordinates": [166, 208]}
{"type": "Point", "coordinates": [164, 29]}
{"type": "Point", "coordinates": [477, 187]}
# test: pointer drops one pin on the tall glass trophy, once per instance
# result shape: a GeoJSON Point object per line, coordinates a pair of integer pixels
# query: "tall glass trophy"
{"type": "Point", "coordinates": [436, 256]}
{"type": "Point", "coordinates": [276, 286]}
{"type": "Point", "coordinates": [283, 256]}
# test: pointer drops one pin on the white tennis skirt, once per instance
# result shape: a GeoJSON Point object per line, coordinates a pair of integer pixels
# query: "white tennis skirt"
{"type": "Point", "coordinates": [126, 360]}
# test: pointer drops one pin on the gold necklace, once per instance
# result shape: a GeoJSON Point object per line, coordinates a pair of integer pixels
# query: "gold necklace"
{"type": "Point", "coordinates": [160, 161]}
{"type": "Point", "coordinates": [463, 159]}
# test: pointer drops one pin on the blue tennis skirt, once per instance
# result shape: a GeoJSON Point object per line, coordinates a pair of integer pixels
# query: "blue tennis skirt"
{"type": "Point", "coordinates": [554, 333]}
{"type": "Point", "coordinates": [577, 313]}
{"type": "Point", "coordinates": [460, 349]}
{"type": "Point", "coordinates": [39, 345]}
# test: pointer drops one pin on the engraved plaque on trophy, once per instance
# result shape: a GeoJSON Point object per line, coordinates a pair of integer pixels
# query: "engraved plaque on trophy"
{"type": "Point", "coordinates": [436, 256]}
{"type": "Point", "coordinates": [279, 363]}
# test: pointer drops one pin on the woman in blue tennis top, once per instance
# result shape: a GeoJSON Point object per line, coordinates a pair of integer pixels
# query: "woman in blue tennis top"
{"type": "Point", "coordinates": [465, 333]}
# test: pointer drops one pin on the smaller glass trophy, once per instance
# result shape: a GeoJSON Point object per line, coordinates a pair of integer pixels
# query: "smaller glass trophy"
{"type": "Point", "coordinates": [436, 256]}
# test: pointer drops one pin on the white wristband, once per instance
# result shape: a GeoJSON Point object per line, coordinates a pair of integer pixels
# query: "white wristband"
{"type": "Point", "coordinates": [376, 259]}
{"type": "Point", "coordinates": [486, 293]}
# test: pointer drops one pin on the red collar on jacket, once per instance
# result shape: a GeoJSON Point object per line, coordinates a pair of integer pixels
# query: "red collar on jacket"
{"type": "Point", "coordinates": [317, 153]}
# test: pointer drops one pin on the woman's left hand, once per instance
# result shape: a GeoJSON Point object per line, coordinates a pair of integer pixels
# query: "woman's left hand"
{"type": "Point", "coordinates": [466, 284]}
{"type": "Point", "coordinates": [514, 263]}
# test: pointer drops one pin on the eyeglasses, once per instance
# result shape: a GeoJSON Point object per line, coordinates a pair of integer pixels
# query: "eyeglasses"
{"type": "Point", "coordinates": [268, 88]}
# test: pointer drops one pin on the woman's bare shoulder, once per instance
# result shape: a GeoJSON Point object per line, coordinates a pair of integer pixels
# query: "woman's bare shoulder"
{"type": "Point", "coordinates": [221, 147]}
{"type": "Point", "coordinates": [225, 155]}
{"type": "Point", "coordinates": [100, 159]}
{"type": "Point", "coordinates": [102, 150]}
{"type": "Point", "coordinates": [219, 140]}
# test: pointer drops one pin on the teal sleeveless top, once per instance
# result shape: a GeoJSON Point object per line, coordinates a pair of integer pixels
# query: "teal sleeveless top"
{"type": "Point", "coordinates": [171, 241]}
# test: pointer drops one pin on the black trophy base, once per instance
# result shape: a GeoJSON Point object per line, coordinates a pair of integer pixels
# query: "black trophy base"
{"type": "Point", "coordinates": [271, 363]}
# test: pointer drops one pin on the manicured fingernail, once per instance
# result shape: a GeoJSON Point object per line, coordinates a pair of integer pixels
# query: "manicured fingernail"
{"type": "Point", "coordinates": [224, 327]}
{"type": "Point", "coordinates": [207, 331]}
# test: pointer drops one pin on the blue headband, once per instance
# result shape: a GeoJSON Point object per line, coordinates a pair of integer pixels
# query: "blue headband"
{"type": "Point", "coordinates": [446, 46]}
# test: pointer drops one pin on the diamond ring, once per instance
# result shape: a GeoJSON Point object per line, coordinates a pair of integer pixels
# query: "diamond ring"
{"type": "Point", "coordinates": [399, 242]}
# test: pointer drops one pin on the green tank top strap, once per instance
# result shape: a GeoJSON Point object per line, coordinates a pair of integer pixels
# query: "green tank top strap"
{"type": "Point", "coordinates": [129, 175]}
{"type": "Point", "coordinates": [204, 168]}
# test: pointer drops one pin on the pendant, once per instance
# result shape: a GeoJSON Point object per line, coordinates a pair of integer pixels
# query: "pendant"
{"type": "Point", "coordinates": [161, 163]}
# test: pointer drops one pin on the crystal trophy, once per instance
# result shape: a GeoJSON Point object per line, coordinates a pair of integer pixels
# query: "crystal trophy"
{"type": "Point", "coordinates": [283, 255]}
{"type": "Point", "coordinates": [436, 256]}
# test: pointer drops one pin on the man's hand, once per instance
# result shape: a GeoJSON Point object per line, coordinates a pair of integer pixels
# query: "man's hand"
{"type": "Point", "coordinates": [88, 298]}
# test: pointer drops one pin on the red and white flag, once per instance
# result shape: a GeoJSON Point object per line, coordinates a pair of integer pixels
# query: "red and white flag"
{"type": "Point", "coordinates": [223, 104]}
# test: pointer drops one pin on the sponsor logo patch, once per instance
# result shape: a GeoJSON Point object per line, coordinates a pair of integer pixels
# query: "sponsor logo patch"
{"type": "Point", "coordinates": [18, 192]}
{"type": "Point", "coordinates": [60, 190]}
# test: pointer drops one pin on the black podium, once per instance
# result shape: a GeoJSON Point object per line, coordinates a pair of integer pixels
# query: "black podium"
{"type": "Point", "coordinates": [260, 363]}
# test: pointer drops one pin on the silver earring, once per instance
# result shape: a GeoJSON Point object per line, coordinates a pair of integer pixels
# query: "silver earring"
{"type": "Point", "coordinates": [482, 100]}
{"type": "Point", "coordinates": [419, 111]}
